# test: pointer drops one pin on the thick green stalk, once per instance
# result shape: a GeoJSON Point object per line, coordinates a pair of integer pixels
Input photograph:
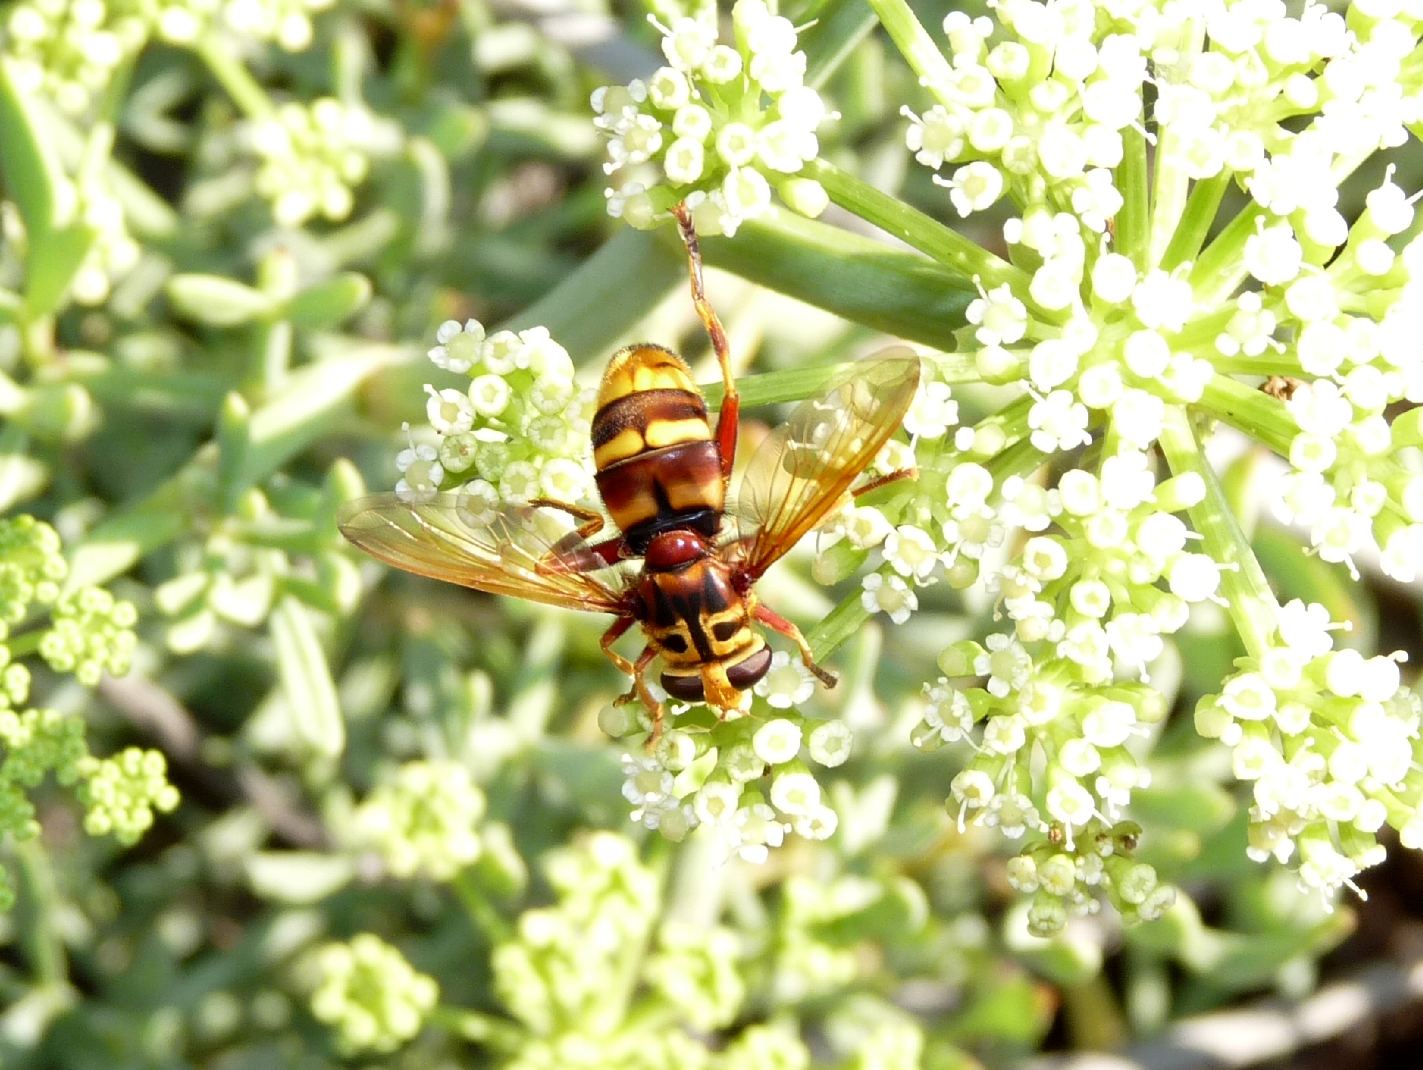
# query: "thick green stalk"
{"type": "Point", "coordinates": [1251, 411]}
{"type": "Point", "coordinates": [246, 92]}
{"type": "Point", "coordinates": [911, 226]}
{"type": "Point", "coordinates": [918, 48]}
{"type": "Point", "coordinates": [1196, 219]}
{"type": "Point", "coordinates": [863, 280]}
{"type": "Point", "coordinates": [1249, 600]}
{"type": "Point", "coordinates": [1134, 219]}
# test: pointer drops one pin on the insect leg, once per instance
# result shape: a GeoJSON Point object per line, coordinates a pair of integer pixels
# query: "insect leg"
{"type": "Point", "coordinates": [728, 418]}
{"type": "Point", "coordinates": [591, 521]}
{"type": "Point", "coordinates": [775, 621]}
{"type": "Point", "coordinates": [885, 480]}
{"type": "Point", "coordinates": [611, 636]}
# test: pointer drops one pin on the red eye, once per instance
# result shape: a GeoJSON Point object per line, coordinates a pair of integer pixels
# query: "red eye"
{"type": "Point", "coordinates": [673, 549]}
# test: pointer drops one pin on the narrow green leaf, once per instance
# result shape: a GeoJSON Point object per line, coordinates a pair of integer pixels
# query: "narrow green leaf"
{"type": "Point", "coordinates": [118, 542]}
{"type": "Point", "coordinates": [51, 264]}
{"type": "Point", "coordinates": [306, 678]}
{"type": "Point", "coordinates": [32, 173]}
{"type": "Point", "coordinates": [299, 877]}
{"type": "Point", "coordinates": [217, 301]}
{"type": "Point", "coordinates": [311, 401]}
{"type": "Point", "coordinates": [234, 439]}
{"type": "Point", "coordinates": [330, 303]}
{"type": "Point", "coordinates": [21, 476]}
{"type": "Point", "coordinates": [839, 625]}
{"type": "Point", "coordinates": [594, 307]}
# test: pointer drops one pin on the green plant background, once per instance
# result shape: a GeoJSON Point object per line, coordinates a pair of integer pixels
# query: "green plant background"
{"type": "Point", "coordinates": [190, 436]}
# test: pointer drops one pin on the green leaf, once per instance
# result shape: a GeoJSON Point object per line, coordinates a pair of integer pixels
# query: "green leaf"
{"type": "Point", "coordinates": [21, 476]}
{"type": "Point", "coordinates": [298, 877]}
{"type": "Point", "coordinates": [306, 678]}
{"type": "Point", "coordinates": [34, 179]}
{"type": "Point", "coordinates": [32, 173]}
{"type": "Point", "coordinates": [218, 301]}
{"type": "Point", "coordinates": [330, 303]}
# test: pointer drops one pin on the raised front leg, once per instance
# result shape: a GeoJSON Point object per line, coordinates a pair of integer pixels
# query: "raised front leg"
{"type": "Point", "coordinates": [775, 621]}
{"type": "Point", "coordinates": [729, 417]}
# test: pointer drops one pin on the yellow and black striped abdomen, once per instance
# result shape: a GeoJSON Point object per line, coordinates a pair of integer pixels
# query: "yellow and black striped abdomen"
{"type": "Point", "coordinates": [658, 467]}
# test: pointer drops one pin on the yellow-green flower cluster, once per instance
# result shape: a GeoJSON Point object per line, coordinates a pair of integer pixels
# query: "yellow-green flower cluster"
{"type": "Point", "coordinates": [122, 793]}
{"type": "Point", "coordinates": [718, 127]}
{"type": "Point", "coordinates": [423, 823]}
{"type": "Point", "coordinates": [89, 632]}
{"type": "Point", "coordinates": [371, 995]}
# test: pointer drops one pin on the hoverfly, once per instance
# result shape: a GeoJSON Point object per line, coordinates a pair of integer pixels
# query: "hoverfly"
{"type": "Point", "coordinates": [663, 474]}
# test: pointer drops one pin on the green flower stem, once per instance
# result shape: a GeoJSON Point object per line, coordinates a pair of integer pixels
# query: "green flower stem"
{"type": "Point", "coordinates": [484, 1029]}
{"type": "Point", "coordinates": [918, 48]}
{"type": "Point", "coordinates": [1170, 184]}
{"type": "Point", "coordinates": [832, 37]}
{"type": "Point", "coordinates": [948, 247]}
{"type": "Point", "coordinates": [860, 279]}
{"type": "Point", "coordinates": [797, 384]}
{"type": "Point", "coordinates": [1196, 218]}
{"type": "Point", "coordinates": [246, 92]}
{"type": "Point", "coordinates": [1251, 411]}
{"type": "Point", "coordinates": [1134, 219]}
{"type": "Point", "coordinates": [1249, 600]}
{"type": "Point", "coordinates": [1268, 363]}
{"type": "Point", "coordinates": [1220, 267]}
{"type": "Point", "coordinates": [839, 625]}
{"type": "Point", "coordinates": [40, 937]}
{"type": "Point", "coordinates": [481, 911]}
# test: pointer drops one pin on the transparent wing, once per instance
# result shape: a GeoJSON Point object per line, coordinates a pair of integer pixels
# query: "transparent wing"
{"type": "Point", "coordinates": [518, 550]}
{"type": "Point", "coordinates": [801, 469]}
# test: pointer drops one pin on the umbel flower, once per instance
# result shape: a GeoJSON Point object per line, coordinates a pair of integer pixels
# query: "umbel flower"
{"type": "Point", "coordinates": [1085, 505]}
{"type": "Point", "coordinates": [719, 127]}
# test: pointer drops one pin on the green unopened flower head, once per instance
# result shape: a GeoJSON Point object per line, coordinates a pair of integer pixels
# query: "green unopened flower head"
{"type": "Point", "coordinates": [424, 823]}
{"type": "Point", "coordinates": [92, 632]}
{"type": "Point", "coordinates": [371, 995]}
{"type": "Point", "coordinates": [121, 794]}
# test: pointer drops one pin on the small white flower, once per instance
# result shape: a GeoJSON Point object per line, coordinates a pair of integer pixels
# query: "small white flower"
{"type": "Point", "coordinates": [787, 682]}
{"type": "Point", "coordinates": [890, 595]}
{"type": "Point", "coordinates": [777, 741]}
{"type": "Point", "coordinates": [911, 552]}
{"type": "Point", "coordinates": [794, 793]}
{"type": "Point", "coordinates": [829, 743]}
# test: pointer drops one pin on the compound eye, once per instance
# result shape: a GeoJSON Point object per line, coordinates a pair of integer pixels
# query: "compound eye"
{"type": "Point", "coordinates": [686, 688]}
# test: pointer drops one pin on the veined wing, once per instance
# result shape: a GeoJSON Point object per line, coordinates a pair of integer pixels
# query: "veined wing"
{"type": "Point", "coordinates": [518, 550]}
{"type": "Point", "coordinates": [801, 469]}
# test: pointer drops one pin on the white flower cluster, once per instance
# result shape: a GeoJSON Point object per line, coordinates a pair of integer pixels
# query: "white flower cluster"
{"type": "Point", "coordinates": [519, 431]}
{"type": "Point", "coordinates": [68, 50]}
{"type": "Point", "coordinates": [713, 779]}
{"type": "Point", "coordinates": [1329, 742]}
{"type": "Point", "coordinates": [718, 127]}
{"type": "Point", "coordinates": [311, 158]}
{"type": "Point", "coordinates": [1357, 479]}
{"type": "Point", "coordinates": [1040, 112]}
{"type": "Point", "coordinates": [423, 822]}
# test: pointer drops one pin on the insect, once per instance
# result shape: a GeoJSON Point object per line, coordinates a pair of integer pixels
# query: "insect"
{"type": "Point", "coordinates": [688, 553]}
